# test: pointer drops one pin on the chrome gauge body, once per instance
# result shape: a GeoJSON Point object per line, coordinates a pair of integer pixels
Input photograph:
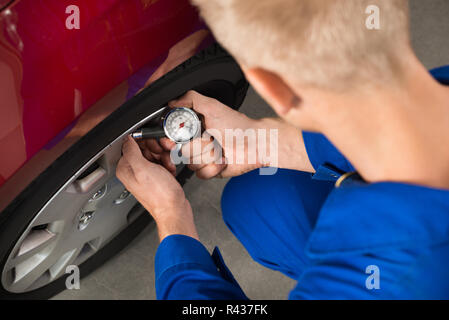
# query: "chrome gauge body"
{"type": "Point", "coordinates": [182, 125]}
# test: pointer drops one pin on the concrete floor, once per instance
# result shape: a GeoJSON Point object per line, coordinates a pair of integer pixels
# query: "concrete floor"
{"type": "Point", "coordinates": [130, 274]}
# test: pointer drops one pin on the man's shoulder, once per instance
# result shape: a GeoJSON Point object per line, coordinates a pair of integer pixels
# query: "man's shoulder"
{"type": "Point", "coordinates": [360, 216]}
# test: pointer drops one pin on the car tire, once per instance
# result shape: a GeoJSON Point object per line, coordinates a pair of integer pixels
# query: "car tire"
{"type": "Point", "coordinates": [212, 72]}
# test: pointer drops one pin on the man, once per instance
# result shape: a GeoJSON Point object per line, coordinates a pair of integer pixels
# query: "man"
{"type": "Point", "coordinates": [380, 233]}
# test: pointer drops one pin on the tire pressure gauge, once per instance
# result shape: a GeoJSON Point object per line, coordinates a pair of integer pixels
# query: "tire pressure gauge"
{"type": "Point", "coordinates": [179, 125]}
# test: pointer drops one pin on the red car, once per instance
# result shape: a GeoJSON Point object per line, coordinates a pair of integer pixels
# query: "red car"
{"type": "Point", "coordinates": [70, 80]}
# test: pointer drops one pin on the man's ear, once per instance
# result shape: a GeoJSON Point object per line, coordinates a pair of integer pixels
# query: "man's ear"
{"type": "Point", "coordinates": [273, 89]}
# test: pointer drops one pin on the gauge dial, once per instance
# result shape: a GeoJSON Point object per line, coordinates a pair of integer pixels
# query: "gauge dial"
{"type": "Point", "coordinates": [181, 125]}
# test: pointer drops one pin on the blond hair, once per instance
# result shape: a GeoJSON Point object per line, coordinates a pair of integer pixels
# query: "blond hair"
{"type": "Point", "coordinates": [323, 43]}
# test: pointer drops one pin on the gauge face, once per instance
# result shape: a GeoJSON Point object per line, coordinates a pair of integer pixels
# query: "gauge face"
{"type": "Point", "coordinates": [181, 125]}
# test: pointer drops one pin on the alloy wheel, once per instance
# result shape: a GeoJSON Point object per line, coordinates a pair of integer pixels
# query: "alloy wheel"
{"type": "Point", "coordinates": [86, 213]}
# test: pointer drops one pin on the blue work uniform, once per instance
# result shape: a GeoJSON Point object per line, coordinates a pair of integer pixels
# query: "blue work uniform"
{"type": "Point", "coordinates": [351, 241]}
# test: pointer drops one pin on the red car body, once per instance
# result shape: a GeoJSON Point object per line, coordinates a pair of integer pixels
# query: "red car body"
{"type": "Point", "coordinates": [58, 83]}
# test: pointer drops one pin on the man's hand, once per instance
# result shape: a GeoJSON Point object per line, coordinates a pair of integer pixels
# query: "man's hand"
{"type": "Point", "coordinates": [290, 149]}
{"type": "Point", "coordinates": [158, 151]}
{"type": "Point", "coordinates": [157, 190]}
{"type": "Point", "coordinates": [217, 118]}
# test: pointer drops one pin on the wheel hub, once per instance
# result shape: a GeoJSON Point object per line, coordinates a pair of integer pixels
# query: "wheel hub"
{"type": "Point", "coordinates": [92, 201]}
{"type": "Point", "coordinates": [85, 219]}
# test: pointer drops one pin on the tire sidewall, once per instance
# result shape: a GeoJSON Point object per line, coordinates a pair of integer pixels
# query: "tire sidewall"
{"type": "Point", "coordinates": [15, 219]}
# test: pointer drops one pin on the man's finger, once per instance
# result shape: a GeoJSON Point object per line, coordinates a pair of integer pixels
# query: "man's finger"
{"type": "Point", "coordinates": [132, 153]}
{"type": "Point", "coordinates": [148, 155]}
{"type": "Point", "coordinates": [124, 172]}
{"type": "Point", "coordinates": [167, 163]}
{"type": "Point", "coordinates": [210, 171]}
{"type": "Point", "coordinates": [196, 167]}
{"type": "Point", "coordinates": [197, 147]}
{"type": "Point", "coordinates": [153, 145]}
{"type": "Point", "coordinates": [167, 144]}
{"type": "Point", "coordinates": [193, 100]}
{"type": "Point", "coordinates": [187, 100]}
{"type": "Point", "coordinates": [142, 144]}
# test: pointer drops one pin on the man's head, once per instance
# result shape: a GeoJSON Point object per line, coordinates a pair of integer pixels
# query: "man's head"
{"type": "Point", "coordinates": [291, 46]}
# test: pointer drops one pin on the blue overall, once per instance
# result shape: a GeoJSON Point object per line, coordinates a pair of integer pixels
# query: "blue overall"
{"type": "Point", "coordinates": [355, 241]}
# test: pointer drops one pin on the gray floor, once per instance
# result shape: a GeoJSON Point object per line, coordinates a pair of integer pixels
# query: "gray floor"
{"type": "Point", "coordinates": [130, 275]}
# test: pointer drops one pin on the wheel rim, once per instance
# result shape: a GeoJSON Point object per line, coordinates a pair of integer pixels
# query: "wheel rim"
{"type": "Point", "coordinates": [82, 217]}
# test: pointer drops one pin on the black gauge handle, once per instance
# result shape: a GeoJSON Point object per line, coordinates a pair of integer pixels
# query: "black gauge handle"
{"type": "Point", "coordinates": [149, 133]}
